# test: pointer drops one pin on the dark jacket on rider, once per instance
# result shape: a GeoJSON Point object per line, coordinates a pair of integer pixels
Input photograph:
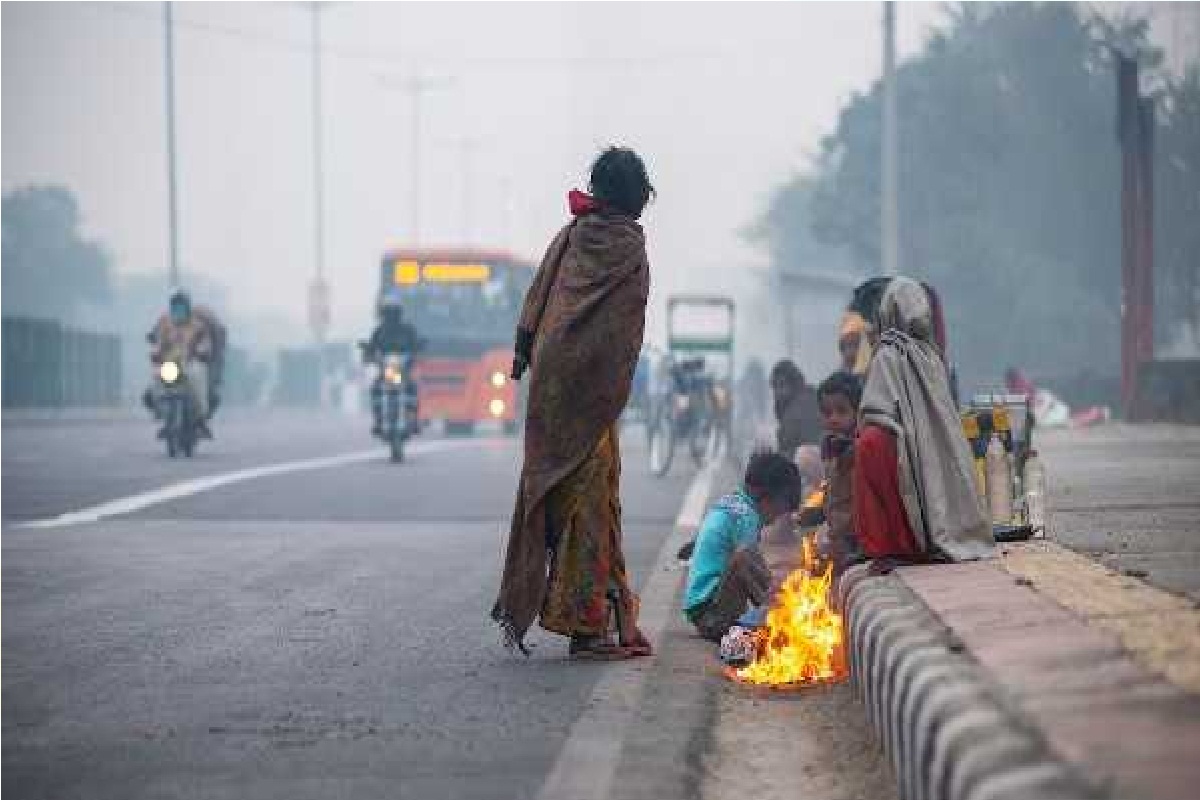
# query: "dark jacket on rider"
{"type": "Point", "coordinates": [387, 339]}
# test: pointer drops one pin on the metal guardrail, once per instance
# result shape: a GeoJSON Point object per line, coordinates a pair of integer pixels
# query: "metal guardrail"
{"type": "Point", "coordinates": [51, 365]}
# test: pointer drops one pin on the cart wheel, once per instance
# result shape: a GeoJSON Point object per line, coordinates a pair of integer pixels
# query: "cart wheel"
{"type": "Point", "coordinates": [662, 447]}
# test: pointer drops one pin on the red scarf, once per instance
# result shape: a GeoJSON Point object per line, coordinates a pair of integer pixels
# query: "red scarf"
{"type": "Point", "coordinates": [581, 203]}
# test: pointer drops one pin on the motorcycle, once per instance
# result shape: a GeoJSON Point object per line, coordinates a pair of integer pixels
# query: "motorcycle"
{"type": "Point", "coordinates": [177, 408]}
{"type": "Point", "coordinates": [685, 413]}
{"type": "Point", "coordinates": [400, 420]}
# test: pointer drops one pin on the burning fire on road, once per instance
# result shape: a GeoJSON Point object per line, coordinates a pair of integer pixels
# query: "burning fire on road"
{"type": "Point", "coordinates": [801, 643]}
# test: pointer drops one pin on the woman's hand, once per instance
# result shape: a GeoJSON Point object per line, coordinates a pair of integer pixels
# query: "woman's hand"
{"type": "Point", "coordinates": [519, 365]}
{"type": "Point", "coordinates": [522, 353]}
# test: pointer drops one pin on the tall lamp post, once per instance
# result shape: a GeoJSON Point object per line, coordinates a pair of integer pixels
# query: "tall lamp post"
{"type": "Point", "coordinates": [172, 189]}
{"type": "Point", "coordinates": [416, 87]}
{"type": "Point", "coordinates": [890, 233]}
{"type": "Point", "coordinates": [319, 312]}
{"type": "Point", "coordinates": [466, 147]}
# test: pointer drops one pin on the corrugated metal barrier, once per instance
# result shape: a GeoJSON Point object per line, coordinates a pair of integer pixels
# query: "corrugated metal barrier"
{"type": "Point", "coordinates": [51, 365]}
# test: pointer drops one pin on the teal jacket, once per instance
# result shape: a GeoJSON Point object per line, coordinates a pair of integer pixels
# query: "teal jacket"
{"type": "Point", "coordinates": [734, 521]}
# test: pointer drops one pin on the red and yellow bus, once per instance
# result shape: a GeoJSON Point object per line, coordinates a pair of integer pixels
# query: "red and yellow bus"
{"type": "Point", "coordinates": [465, 303]}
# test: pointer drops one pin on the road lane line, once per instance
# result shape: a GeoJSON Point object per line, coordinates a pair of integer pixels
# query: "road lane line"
{"type": "Point", "coordinates": [589, 758]}
{"type": "Point", "coordinates": [176, 491]}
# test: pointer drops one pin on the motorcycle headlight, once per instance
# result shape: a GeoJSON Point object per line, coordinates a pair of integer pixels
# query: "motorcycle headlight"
{"type": "Point", "coordinates": [168, 371]}
{"type": "Point", "coordinates": [393, 375]}
{"type": "Point", "coordinates": [499, 379]}
{"type": "Point", "coordinates": [682, 401]}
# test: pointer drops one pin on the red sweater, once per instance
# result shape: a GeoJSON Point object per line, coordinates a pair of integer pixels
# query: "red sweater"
{"type": "Point", "coordinates": [880, 520]}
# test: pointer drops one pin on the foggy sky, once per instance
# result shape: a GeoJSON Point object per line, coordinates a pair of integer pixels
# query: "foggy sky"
{"type": "Point", "coordinates": [724, 100]}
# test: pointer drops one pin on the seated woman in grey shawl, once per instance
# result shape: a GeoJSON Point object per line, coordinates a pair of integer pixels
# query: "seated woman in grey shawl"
{"type": "Point", "coordinates": [914, 497]}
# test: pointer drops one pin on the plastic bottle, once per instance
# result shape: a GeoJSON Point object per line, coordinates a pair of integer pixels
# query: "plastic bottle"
{"type": "Point", "coordinates": [1035, 494]}
{"type": "Point", "coordinates": [970, 424]}
{"type": "Point", "coordinates": [999, 482]}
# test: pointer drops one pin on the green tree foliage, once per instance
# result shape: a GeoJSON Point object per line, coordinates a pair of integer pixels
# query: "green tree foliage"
{"type": "Point", "coordinates": [1177, 209]}
{"type": "Point", "coordinates": [48, 269]}
{"type": "Point", "coordinates": [1010, 186]}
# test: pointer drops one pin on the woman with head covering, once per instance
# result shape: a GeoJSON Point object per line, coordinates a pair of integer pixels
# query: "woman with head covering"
{"type": "Point", "coordinates": [580, 333]}
{"type": "Point", "coordinates": [858, 329]}
{"type": "Point", "coordinates": [914, 495]}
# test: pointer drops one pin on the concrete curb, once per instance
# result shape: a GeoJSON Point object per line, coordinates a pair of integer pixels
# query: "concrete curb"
{"type": "Point", "coordinates": [949, 731]}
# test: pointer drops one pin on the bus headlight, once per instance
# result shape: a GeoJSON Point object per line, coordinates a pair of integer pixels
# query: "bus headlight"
{"type": "Point", "coordinates": [497, 407]}
{"type": "Point", "coordinates": [499, 379]}
{"type": "Point", "coordinates": [168, 371]}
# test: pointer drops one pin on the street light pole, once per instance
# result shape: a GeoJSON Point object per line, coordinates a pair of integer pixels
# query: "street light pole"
{"type": "Point", "coordinates": [890, 232]}
{"type": "Point", "coordinates": [466, 148]}
{"type": "Point", "coordinates": [318, 163]}
{"type": "Point", "coordinates": [319, 292]}
{"type": "Point", "coordinates": [416, 87]}
{"type": "Point", "coordinates": [172, 189]}
{"type": "Point", "coordinates": [467, 169]}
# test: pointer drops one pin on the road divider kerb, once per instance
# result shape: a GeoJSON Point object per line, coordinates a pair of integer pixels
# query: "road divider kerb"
{"type": "Point", "coordinates": [588, 761]}
{"type": "Point", "coordinates": [949, 731]}
{"type": "Point", "coordinates": [207, 483]}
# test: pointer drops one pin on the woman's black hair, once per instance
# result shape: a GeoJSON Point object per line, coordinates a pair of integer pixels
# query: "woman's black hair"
{"type": "Point", "coordinates": [786, 373]}
{"type": "Point", "coordinates": [620, 182]}
{"type": "Point", "coordinates": [867, 296]}
{"type": "Point", "coordinates": [846, 384]}
{"type": "Point", "coordinates": [770, 474]}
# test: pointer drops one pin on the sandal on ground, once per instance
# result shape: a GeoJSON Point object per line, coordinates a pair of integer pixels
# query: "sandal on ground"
{"type": "Point", "coordinates": [639, 646]}
{"type": "Point", "coordinates": [596, 648]}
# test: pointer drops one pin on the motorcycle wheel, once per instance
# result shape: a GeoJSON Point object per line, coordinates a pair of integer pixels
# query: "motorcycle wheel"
{"type": "Point", "coordinates": [397, 448]}
{"type": "Point", "coordinates": [171, 425]}
{"type": "Point", "coordinates": [187, 443]}
{"type": "Point", "coordinates": [662, 447]}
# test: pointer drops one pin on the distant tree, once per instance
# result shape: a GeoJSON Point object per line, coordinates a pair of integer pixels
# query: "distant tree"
{"type": "Point", "coordinates": [1177, 207]}
{"type": "Point", "coordinates": [48, 269]}
{"type": "Point", "coordinates": [1009, 184]}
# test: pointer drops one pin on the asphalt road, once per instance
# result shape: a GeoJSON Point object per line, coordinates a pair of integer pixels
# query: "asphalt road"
{"type": "Point", "coordinates": [318, 634]}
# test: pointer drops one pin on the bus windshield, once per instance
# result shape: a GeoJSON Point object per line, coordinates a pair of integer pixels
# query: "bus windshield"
{"type": "Point", "coordinates": [459, 302]}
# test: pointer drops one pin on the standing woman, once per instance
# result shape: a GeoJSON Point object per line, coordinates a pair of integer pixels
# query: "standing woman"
{"type": "Point", "coordinates": [579, 334]}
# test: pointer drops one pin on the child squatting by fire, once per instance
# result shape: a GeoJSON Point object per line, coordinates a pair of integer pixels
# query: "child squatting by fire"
{"type": "Point", "coordinates": [729, 578]}
{"type": "Point", "coordinates": [728, 573]}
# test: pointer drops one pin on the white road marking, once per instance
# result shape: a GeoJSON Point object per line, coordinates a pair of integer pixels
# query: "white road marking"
{"type": "Point", "coordinates": [588, 761]}
{"type": "Point", "coordinates": [175, 491]}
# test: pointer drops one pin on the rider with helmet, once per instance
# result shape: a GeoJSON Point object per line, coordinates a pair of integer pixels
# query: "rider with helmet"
{"type": "Point", "coordinates": [183, 334]}
{"type": "Point", "coordinates": [393, 335]}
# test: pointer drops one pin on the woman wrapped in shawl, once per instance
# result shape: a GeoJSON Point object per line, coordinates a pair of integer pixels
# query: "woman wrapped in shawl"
{"type": "Point", "coordinates": [579, 334]}
{"type": "Point", "coordinates": [914, 495]}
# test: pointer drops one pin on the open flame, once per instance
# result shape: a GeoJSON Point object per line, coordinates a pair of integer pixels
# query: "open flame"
{"type": "Point", "coordinates": [802, 640]}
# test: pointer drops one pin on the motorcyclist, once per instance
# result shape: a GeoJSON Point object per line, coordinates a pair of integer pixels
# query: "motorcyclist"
{"type": "Point", "coordinates": [181, 333]}
{"type": "Point", "coordinates": [392, 336]}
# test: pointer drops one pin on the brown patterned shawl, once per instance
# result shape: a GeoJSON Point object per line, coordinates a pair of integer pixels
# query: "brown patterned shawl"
{"type": "Point", "coordinates": [586, 313]}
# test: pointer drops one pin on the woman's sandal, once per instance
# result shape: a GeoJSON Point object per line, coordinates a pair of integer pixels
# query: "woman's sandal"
{"type": "Point", "coordinates": [639, 647]}
{"type": "Point", "coordinates": [595, 648]}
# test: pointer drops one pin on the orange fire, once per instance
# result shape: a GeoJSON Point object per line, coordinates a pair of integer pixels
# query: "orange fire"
{"type": "Point", "coordinates": [802, 640]}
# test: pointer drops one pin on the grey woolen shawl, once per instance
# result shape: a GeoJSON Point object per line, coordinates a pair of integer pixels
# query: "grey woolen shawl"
{"type": "Point", "coordinates": [907, 391]}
